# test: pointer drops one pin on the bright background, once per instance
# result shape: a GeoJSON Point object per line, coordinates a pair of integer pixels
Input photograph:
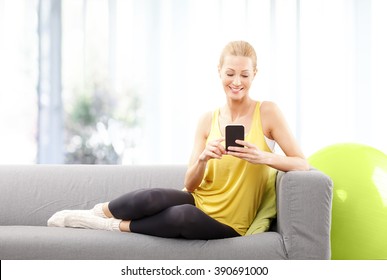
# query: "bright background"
{"type": "Point", "coordinates": [125, 81]}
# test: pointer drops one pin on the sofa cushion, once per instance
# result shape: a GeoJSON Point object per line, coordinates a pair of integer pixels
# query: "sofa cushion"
{"type": "Point", "coordinates": [35, 242]}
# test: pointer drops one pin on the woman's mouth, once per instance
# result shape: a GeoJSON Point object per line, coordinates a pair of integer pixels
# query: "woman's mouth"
{"type": "Point", "coordinates": [235, 90]}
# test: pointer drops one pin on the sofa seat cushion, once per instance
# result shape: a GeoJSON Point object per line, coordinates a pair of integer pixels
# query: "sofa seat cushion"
{"type": "Point", "coordinates": [39, 242]}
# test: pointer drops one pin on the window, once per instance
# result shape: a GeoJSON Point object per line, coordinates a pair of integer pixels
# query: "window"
{"type": "Point", "coordinates": [101, 100]}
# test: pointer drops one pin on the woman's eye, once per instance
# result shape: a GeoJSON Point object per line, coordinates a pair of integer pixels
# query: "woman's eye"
{"type": "Point", "coordinates": [245, 76]}
{"type": "Point", "coordinates": [230, 75]}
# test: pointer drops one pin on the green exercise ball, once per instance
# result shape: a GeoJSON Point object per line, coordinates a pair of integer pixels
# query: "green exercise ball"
{"type": "Point", "coordinates": [359, 206]}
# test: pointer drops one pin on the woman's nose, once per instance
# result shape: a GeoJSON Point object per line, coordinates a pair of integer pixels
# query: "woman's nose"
{"type": "Point", "coordinates": [236, 81]}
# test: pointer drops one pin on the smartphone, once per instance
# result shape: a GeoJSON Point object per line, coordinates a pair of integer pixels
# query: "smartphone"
{"type": "Point", "coordinates": [234, 132]}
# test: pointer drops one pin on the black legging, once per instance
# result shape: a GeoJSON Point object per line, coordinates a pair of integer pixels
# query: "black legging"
{"type": "Point", "coordinates": [167, 213]}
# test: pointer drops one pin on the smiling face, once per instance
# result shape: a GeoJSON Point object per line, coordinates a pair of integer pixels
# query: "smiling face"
{"type": "Point", "coordinates": [237, 74]}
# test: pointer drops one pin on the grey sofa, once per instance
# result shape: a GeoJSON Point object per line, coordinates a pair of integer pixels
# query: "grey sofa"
{"type": "Point", "coordinates": [30, 194]}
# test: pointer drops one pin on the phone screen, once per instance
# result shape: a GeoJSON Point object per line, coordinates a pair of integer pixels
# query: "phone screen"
{"type": "Point", "coordinates": [234, 132]}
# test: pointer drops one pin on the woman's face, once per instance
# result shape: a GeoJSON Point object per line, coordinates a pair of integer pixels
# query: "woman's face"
{"type": "Point", "coordinates": [237, 74]}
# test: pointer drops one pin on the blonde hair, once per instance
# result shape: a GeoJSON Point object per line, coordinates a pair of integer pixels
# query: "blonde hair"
{"type": "Point", "coordinates": [239, 48]}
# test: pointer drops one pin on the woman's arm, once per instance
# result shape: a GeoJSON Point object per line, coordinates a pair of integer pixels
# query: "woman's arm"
{"type": "Point", "coordinates": [202, 153]}
{"type": "Point", "coordinates": [274, 127]}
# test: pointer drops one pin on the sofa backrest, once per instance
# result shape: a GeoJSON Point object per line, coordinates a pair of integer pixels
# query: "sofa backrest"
{"type": "Point", "coordinates": [30, 194]}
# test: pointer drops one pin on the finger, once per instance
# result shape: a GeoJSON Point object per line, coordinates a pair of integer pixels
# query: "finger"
{"type": "Point", "coordinates": [210, 154]}
{"type": "Point", "coordinates": [219, 140]}
{"type": "Point", "coordinates": [218, 150]}
{"type": "Point", "coordinates": [237, 149]}
{"type": "Point", "coordinates": [222, 149]}
{"type": "Point", "coordinates": [244, 156]}
{"type": "Point", "coordinates": [215, 156]}
{"type": "Point", "coordinates": [245, 143]}
{"type": "Point", "coordinates": [218, 144]}
{"type": "Point", "coordinates": [237, 154]}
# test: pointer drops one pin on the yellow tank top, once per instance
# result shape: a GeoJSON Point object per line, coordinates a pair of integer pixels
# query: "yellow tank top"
{"type": "Point", "coordinates": [232, 189]}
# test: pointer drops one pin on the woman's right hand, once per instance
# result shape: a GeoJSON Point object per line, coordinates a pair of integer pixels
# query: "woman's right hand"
{"type": "Point", "coordinates": [213, 150]}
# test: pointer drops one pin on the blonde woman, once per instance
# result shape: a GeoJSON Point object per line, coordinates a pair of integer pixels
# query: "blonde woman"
{"type": "Point", "coordinates": [223, 189]}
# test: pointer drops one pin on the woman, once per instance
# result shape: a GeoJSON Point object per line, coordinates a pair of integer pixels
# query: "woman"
{"type": "Point", "coordinates": [223, 189]}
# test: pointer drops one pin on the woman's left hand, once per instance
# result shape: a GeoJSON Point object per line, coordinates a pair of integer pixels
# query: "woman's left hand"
{"type": "Point", "coordinates": [249, 152]}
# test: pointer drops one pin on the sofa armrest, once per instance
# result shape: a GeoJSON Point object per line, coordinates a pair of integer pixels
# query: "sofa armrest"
{"type": "Point", "coordinates": [304, 203]}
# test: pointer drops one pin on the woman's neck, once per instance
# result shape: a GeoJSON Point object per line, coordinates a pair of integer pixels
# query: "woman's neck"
{"type": "Point", "coordinates": [235, 110]}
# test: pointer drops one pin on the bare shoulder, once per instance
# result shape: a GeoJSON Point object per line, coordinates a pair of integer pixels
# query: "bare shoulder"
{"type": "Point", "coordinates": [206, 117]}
{"type": "Point", "coordinates": [271, 118]}
{"type": "Point", "coordinates": [268, 108]}
{"type": "Point", "coordinates": [204, 124]}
